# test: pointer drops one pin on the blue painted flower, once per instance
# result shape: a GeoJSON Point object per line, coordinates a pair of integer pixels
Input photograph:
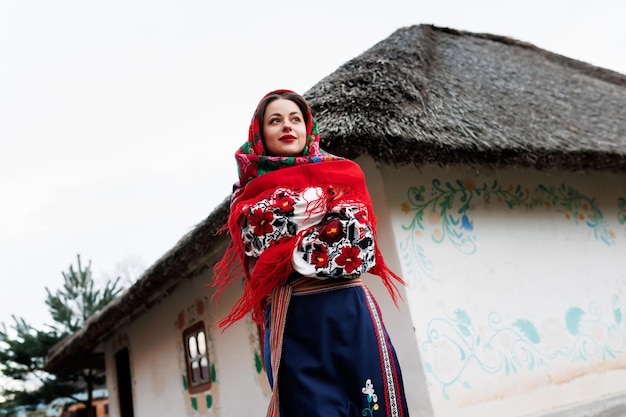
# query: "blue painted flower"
{"type": "Point", "coordinates": [466, 224]}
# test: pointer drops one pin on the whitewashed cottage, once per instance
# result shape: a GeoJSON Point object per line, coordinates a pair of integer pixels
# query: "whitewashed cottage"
{"type": "Point", "coordinates": [498, 173]}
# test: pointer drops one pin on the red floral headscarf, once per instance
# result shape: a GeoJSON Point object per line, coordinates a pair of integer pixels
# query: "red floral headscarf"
{"type": "Point", "coordinates": [253, 161]}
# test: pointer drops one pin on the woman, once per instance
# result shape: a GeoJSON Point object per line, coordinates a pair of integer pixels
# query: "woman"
{"type": "Point", "coordinates": [303, 228]}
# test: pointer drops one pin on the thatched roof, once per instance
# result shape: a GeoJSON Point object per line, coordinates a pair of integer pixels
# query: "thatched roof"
{"type": "Point", "coordinates": [192, 255]}
{"type": "Point", "coordinates": [424, 95]}
{"type": "Point", "coordinates": [429, 94]}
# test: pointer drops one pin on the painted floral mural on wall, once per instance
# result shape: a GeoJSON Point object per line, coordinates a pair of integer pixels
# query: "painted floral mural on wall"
{"type": "Point", "coordinates": [445, 210]}
{"type": "Point", "coordinates": [255, 340]}
{"type": "Point", "coordinates": [507, 348]}
{"type": "Point", "coordinates": [454, 340]}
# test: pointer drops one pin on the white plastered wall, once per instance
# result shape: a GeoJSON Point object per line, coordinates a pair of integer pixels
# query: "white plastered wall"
{"type": "Point", "coordinates": [517, 309]}
{"type": "Point", "coordinates": [155, 344]}
{"type": "Point", "coordinates": [516, 285]}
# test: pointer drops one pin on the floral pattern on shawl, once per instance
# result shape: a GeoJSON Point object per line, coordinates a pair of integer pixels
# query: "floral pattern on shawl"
{"type": "Point", "coordinates": [335, 242]}
{"type": "Point", "coordinates": [341, 246]}
{"type": "Point", "coordinates": [284, 213]}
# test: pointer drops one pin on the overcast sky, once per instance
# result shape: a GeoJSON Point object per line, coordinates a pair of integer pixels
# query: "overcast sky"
{"type": "Point", "coordinates": [119, 119]}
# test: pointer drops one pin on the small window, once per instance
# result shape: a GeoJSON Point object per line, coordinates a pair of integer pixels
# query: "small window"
{"type": "Point", "coordinates": [197, 358]}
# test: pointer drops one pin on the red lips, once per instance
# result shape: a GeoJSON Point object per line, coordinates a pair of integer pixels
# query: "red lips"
{"type": "Point", "coordinates": [288, 138]}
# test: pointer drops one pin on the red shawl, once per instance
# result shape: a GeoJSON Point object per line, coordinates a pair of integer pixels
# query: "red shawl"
{"type": "Point", "coordinates": [274, 265]}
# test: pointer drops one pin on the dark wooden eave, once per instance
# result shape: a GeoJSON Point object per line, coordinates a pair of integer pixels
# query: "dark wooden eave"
{"type": "Point", "coordinates": [192, 255]}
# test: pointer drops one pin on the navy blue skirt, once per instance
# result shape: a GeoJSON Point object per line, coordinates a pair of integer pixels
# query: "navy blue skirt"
{"type": "Point", "coordinates": [337, 359]}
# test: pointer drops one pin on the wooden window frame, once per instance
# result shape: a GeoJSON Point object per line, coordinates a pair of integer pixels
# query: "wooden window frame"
{"type": "Point", "coordinates": [204, 383]}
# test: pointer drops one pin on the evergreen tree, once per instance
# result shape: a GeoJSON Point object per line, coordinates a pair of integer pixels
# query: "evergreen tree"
{"type": "Point", "coordinates": [78, 299]}
{"type": "Point", "coordinates": [23, 351]}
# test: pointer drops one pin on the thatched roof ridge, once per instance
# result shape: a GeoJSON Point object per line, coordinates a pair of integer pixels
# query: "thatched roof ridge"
{"type": "Point", "coordinates": [436, 95]}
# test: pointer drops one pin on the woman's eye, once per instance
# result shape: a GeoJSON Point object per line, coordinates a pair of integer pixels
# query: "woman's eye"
{"type": "Point", "coordinates": [296, 120]}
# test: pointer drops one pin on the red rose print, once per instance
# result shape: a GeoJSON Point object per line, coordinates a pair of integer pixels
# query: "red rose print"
{"type": "Point", "coordinates": [319, 256]}
{"type": "Point", "coordinates": [349, 258]}
{"type": "Point", "coordinates": [284, 204]}
{"type": "Point", "coordinates": [261, 221]}
{"type": "Point", "coordinates": [331, 231]}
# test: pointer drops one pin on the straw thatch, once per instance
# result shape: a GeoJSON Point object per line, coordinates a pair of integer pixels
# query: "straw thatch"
{"type": "Point", "coordinates": [424, 95]}
{"type": "Point", "coordinates": [192, 255]}
{"type": "Point", "coordinates": [429, 94]}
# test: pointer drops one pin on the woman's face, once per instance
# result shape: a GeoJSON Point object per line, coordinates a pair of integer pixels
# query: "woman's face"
{"type": "Point", "coordinates": [284, 129]}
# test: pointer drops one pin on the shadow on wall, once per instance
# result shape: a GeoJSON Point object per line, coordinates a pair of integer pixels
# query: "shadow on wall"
{"type": "Point", "coordinates": [617, 411]}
